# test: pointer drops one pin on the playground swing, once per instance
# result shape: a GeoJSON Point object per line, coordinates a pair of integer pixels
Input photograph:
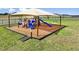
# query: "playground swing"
{"type": "Point", "coordinates": [19, 23]}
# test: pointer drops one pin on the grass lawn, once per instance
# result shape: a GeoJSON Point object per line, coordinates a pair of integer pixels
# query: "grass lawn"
{"type": "Point", "coordinates": [67, 39]}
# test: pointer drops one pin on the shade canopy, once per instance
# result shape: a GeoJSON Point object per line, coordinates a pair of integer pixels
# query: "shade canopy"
{"type": "Point", "coordinates": [35, 12]}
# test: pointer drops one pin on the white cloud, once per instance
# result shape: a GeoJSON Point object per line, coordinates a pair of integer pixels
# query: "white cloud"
{"type": "Point", "coordinates": [11, 10]}
{"type": "Point", "coordinates": [22, 9]}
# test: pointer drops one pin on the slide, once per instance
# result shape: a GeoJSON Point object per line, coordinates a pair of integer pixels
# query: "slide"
{"type": "Point", "coordinates": [46, 23]}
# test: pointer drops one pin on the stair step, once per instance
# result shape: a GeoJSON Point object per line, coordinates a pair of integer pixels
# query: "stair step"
{"type": "Point", "coordinates": [25, 38]}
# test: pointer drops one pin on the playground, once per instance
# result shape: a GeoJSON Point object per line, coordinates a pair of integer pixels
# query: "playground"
{"type": "Point", "coordinates": [35, 27]}
{"type": "Point", "coordinates": [44, 30]}
{"type": "Point", "coordinates": [66, 39]}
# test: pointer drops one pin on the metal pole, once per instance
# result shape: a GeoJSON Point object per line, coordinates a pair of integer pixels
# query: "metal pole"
{"type": "Point", "coordinates": [31, 33]}
{"type": "Point", "coordinates": [60, 20]}
{"type": "Point", "coordinates": [37, 26]}
{"type": "Point", "coordinates": [9, 20]}
{"type": "Point", "coordinates": [2, 21]}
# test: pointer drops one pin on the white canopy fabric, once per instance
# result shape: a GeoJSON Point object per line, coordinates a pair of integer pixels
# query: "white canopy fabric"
{"type": "Point", "coordinates": [34, 12]}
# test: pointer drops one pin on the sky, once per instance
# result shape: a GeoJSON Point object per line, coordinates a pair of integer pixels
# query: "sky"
{"type": "Point", "coordinates": [70, 11]}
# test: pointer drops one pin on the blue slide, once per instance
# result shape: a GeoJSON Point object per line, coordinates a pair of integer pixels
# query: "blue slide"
{"type": "Point", "coordinates": [46, 23]}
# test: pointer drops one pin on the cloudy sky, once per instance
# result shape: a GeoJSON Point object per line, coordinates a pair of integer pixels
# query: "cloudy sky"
{"type": "Point", "coordinates": [71, 11]}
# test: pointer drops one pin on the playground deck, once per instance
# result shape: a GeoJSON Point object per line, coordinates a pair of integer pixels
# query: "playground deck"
{"type": "Point", "coordinates": [44, 30]}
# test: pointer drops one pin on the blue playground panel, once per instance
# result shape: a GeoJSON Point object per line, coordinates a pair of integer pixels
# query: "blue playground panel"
{"type": "Point", "coordinates": [31, 25]}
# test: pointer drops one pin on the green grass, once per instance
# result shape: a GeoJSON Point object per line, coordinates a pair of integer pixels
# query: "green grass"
{"type": "Point", "coordinates": [66, 40]}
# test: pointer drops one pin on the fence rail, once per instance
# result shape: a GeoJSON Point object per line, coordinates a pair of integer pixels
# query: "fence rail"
{"type": "Point", "coordinates": [4, 19]}
{"type": "Point", "coordinates": [15, 19]}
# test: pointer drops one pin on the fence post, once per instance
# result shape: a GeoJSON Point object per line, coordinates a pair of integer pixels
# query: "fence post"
{"type": "Point", "coordinates": [2, 21]}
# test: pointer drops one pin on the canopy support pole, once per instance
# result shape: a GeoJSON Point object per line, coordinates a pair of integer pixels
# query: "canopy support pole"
{"type": "Point", "coordinates": [60, 20]}
{"type": "Point", "coordinates": [37, 18]}
{"type": "Point", "coordinates": [9, 20]}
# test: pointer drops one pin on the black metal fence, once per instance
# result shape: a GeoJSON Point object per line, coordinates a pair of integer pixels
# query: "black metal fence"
{"type": "Point", "coordinates": [4, 19]}
{"type": "Point", "coordinates": [15, 19]}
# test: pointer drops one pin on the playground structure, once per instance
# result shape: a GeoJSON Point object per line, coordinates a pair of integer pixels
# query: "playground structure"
{"type": "Point", "coordinates": [35, 27]}
{"type": "Point", "coordinates": [31, 23]}
{"type": "Point", "coordinates": [28, 23]}
{"type": "Point", "coordinates": [29, 28]}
